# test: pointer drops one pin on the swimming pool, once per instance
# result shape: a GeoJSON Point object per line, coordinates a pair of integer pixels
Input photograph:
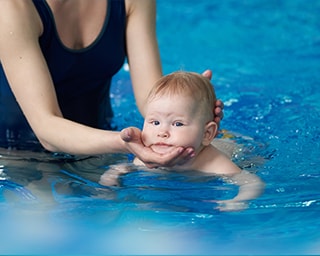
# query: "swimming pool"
{"type": "Point", "coordinates": [265, 60]}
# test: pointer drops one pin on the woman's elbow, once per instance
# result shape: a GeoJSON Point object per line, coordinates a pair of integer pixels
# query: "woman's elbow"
{"type": "Point", "coordinates": [47, 146]}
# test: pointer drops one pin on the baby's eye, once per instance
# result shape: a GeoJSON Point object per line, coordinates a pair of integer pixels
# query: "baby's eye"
{"type": "Point", "coordinates": [155, 122]}
{"type": "Point", "coordinates": [178, 124]}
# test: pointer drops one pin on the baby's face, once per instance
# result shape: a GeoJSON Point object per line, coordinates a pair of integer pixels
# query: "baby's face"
{"type": "Point", "coordinates": [172, 121]}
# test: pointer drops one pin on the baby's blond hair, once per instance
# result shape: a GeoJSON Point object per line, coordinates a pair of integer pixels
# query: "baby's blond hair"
{"type": "Point", "coordinates": [189, 84]}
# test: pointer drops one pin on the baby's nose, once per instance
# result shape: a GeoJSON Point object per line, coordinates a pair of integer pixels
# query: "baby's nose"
{"type": "Point", "coordinates": [163, 134]}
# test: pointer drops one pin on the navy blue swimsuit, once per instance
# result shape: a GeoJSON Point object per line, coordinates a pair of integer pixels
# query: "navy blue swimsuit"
{"type": "Point", "coordinates": [81, 77]}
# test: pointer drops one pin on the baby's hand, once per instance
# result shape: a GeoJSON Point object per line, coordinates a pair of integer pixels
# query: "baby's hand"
{"type": "Point", "coordinates": [231, 205]}
{"type": "Point", "coordinates": [111, 176]}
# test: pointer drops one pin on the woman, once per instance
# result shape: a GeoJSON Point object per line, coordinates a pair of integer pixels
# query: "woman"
{"type": "Point", "coordinates": [57, 60]}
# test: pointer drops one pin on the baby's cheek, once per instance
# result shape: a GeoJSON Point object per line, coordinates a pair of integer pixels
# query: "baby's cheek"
{"type": "Point", "coordinates": [145, 137]}
{"type": "Point", "coordinates": [183, 140]}
{"type": "Point", "coordinates": [192, 140]}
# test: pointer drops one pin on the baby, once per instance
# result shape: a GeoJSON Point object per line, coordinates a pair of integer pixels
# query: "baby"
{"type": "Point", "coordinates": [179, 112]}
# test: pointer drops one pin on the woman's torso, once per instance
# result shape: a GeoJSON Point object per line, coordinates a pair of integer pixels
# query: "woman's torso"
{"type": "Point", "coordinates": [82, 60]}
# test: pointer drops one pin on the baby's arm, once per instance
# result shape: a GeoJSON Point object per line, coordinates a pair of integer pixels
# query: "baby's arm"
{"type": "Point", "coordinates": [111, 176]}
{"type": "Point", "coordinates": [250, 187]}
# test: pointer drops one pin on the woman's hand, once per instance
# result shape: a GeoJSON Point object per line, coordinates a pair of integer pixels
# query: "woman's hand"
{"type": "Point", "coordinates": [218, 112]}
{"type": "Point", "coordinates": [178, 156]}
{"type": "Point", "coordinates": [218, 108]}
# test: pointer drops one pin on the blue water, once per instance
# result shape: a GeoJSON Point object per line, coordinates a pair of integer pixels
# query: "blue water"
{"type": "Point", "coordinates": [265, 58]}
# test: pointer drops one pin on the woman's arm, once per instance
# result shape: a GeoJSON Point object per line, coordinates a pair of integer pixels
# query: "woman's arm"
{"type": "Point", "coordinates": [31, 83]}
{"type": "Point", "coordinates": [142, 48]}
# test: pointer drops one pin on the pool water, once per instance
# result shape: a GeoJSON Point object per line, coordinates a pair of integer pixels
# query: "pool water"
{"type": "Point", "coordinates": [265, 58]}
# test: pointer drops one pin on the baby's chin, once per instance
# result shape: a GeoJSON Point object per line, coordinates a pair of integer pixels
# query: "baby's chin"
{"type": "Point", "coordinates": [162, 149]}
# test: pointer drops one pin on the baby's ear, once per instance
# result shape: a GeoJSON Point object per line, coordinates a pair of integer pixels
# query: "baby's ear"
{"type": "Point", "coordinates": [210, 131]}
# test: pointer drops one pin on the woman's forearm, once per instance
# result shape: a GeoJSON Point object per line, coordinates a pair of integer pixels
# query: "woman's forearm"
{"type": "Point", "coordinates": [61, 135]}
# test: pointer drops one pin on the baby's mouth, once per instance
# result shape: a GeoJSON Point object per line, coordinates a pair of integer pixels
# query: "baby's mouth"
{"type": "Point", "coordinates": [161, 148]}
